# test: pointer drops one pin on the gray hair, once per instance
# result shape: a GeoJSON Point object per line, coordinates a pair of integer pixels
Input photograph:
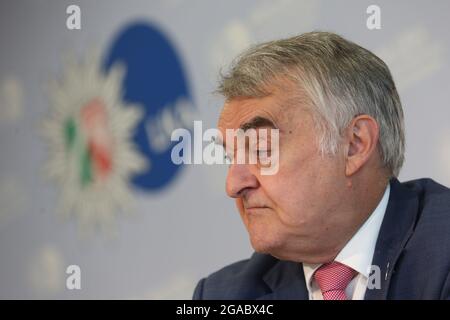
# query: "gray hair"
{"type": "Point", "coordinates": [340, 78]}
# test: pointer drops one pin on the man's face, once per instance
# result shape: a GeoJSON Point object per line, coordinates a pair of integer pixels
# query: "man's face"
{"type": "Point", "coordinates": [294, 214]}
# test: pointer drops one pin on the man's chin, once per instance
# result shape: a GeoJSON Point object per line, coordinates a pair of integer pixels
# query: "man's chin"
{"type": "Point", "coordinates": [265, 245]}
{"type": "Point", "coordinates": [275, 252]}
{"type": "Point", "coordinates": [274, 247]}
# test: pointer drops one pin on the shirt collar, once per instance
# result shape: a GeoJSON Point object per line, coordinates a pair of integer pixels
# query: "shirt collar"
{"type": "Point", "coordinates": [358, 252]}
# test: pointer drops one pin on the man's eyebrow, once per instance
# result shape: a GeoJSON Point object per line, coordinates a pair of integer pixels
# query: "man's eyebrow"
{"type": "Point", "coordinates": [219, 141]}
{"type": "Point", "coordinates": [257, 122]}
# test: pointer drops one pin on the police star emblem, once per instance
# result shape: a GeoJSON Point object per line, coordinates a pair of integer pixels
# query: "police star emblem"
{"type": "Point", "coordinates": [89, 133]}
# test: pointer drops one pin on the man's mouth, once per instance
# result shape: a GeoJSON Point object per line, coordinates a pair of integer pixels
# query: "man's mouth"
{"type": "Point", "coordinates": [251, 209]}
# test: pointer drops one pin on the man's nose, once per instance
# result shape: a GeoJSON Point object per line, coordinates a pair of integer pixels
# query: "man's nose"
{"type": "Point", "coordinates": [239, 179]}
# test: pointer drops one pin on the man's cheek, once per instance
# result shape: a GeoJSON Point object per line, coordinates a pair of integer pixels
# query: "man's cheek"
{"type": "Point", "coordinates": [240, 207]}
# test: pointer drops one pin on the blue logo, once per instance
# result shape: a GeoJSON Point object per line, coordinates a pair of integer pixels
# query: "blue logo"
{"type": "Point", "coordinates": [154, 78]}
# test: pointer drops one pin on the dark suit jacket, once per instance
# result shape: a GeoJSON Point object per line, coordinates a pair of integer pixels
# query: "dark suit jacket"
{"type": "Point", "coordinates": [412, 251]}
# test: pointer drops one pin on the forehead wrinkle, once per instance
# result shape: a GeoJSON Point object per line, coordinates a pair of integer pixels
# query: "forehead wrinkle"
{"type": "Point", "coordinates": [229, 113]}
{"type": "Point", "coordinates": [251, 108]}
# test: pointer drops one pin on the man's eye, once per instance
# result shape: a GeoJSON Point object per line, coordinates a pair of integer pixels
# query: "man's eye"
{"type": "Point", "coordinates": [227, 159]}
{"type": "Point", "coordinates": [264, 157]}
{"type": "Point", "coordinates": [263, 153]}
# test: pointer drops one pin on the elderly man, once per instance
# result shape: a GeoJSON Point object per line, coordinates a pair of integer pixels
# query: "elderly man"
{"type": "Point", "coordinates": [333, 223]}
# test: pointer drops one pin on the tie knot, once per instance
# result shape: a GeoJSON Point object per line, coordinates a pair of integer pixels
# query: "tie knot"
{"type": "Point", "coordinates": [333, 278]}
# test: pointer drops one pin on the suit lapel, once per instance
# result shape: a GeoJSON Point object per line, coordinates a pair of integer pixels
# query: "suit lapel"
{"type": "Point", "coordinates": [287, 282]}
{"type": "Point", "coordinates": [396, 229]}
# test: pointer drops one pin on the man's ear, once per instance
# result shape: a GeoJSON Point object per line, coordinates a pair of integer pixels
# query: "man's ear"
{"type": "Point", "coordinates": [362, 140]}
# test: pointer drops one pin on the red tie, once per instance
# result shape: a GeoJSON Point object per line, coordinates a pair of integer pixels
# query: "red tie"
{"type": "Point", "coordinates": [333, 278]}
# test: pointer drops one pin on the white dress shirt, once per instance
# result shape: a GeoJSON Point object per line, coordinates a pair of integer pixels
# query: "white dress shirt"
{"type": "Point", "coordinates": [357, 254]}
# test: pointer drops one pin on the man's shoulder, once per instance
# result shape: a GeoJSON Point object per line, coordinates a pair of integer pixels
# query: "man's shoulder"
{"type": "Point", "coordinates": [240, 280]}
{"type": "Point", "coordinates": [432, 221]}
{"type": "Point", "coordinates": [433, 197]}
{"type": "Point", "coordinates": [427, 186]}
